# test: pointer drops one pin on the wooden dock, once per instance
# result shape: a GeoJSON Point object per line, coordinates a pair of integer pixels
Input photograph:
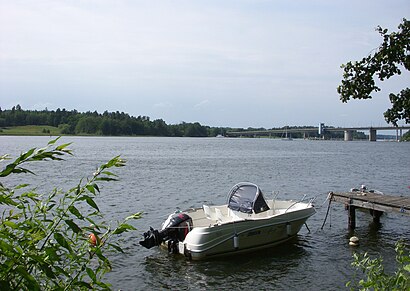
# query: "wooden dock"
{"type": "Point", "coordinates": [376, 203]}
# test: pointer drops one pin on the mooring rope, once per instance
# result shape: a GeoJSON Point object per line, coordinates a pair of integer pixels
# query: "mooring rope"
{"type": "Point", "coordinates": [328, 208]}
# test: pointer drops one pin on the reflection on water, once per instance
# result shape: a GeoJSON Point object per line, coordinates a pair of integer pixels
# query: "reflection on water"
{"type": "Point", "coordinates": [234, 272]}
{"type": "Point", "coordinates": [163, 174]}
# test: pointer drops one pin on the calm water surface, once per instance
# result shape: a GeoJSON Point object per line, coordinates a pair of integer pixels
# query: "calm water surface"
{"type": "Point", "coordinates": [165, 173]}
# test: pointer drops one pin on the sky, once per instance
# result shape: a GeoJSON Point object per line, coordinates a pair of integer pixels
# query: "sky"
{"type": "Point", "coordinates": [233, 63]}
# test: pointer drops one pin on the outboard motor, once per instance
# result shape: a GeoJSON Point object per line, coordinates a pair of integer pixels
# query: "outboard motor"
{"type": "Point", "coordinates": [175, 229]}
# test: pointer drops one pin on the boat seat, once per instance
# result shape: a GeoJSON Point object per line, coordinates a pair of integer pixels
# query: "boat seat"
{"type": "Point", "coordinates": [237, 215]}
{"type": "Point", "coordinates": [220, 217]}
{"type": "Point", "coordinates": [209, 213]}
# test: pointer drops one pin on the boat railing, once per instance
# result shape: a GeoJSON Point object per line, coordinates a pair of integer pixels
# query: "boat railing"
{"type": "Point", "coordinates": [275, 195]}
{"type": "Point", "coordinates": [304, 198]}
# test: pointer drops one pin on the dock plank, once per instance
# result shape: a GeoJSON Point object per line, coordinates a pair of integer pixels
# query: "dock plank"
{"type": "Point", "coordinates": [385, 203]}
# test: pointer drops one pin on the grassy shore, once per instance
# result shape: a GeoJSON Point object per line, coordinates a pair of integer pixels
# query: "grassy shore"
{"type": "Point", "coordinates": [30, 130]}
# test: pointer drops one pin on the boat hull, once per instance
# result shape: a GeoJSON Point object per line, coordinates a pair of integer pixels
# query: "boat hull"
{"type": "Point", "coordinates": [243, 236]}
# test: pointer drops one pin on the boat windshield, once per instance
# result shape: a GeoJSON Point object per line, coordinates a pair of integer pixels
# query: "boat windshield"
{"type": "Point", "coordinates": [247, 198]}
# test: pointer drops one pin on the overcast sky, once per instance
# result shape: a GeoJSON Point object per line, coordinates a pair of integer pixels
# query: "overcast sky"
{"type": "Point", "coordinates": [237, 63]}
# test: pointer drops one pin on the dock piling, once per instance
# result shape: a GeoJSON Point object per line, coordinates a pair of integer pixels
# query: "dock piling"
{"type": "Point", "coordinates": [376, 204]}
{"type": "Point", "coordinates": [352, 216]}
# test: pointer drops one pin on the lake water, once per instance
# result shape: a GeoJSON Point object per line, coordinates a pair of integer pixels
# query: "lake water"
{"type": "Point", "coordinates": [165, 173]}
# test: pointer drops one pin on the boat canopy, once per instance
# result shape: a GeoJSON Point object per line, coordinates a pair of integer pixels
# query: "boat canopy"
{"type": "Point", "coordinates": [247, 198]}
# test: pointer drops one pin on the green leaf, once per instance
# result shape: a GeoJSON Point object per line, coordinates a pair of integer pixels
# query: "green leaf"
{"type": "Point", "coordinates": [117, 247]}
{"type": "Point", "coordinates": [91, 188]}
{"type": "Point", "coordinates": [5, 199]}
{"type": "Point", "coordinates": [31, 195]}
{"type": "Point", "coordinates": [104, 286]}
{"type": "Point", "coordinates": [109, 173]}
{"type": "Point", "coordinates": [123, 228]}
{"type": "Point", "coordinates": [91, 274]}
{"type": "Point", "coordinates": [63, 146]}
{"type": "Point", "coordinates": [83, 284]}
{"type": "Point", "coordinates": [61, 271]}
{"type": "Point", "coordinates": [51, 142]}
{"type": "Point", "coordinates": [47, 155]}
{"type": "Point", "coordinates": [105, 179]}
{"type": "Point", "coordinates": [51, 206]}
{"type": "Point", "coordinates": [62, 241]}
{"type": "Point", "coordinates": [51, 253]}
{"type": "Point", "coordinates": [76, 212]}
{"type": "Point", "coordinates": [12, 168]}
{"type": "Point", "coordinates": [26, 154]}
{"type": "Point", "coordinates": [31, 283]}
{"type": "Point", "coordinates": [112, 162]}
{"type": "Point", "coordinates": [46, 268]}
{"type": "Point", "coordinates": [21, 186]}
{"type": "Point", "coordinates": [134, 216]}
{"type": "Point", "coordinates": [91, 202]}
{"type": "Point", "coordinates": [407, 268]}
{"type": "Point", "coordinates": [10, 224]}
{"type": "Point", "coordinates": [74, 227]}
{"type": "Point", "coordinates": [6, 247]}
{"type": "Point", "coordinates": [37, 235]}
{"type": "Point", "coordinates": [106, 262]}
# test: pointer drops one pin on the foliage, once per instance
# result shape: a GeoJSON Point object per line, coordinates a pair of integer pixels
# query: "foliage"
{"type": "Point", "coordinates": [392, 55]}
{"type": "Point", "coordinates": [108, 123]}
{"type": "Point", "coordinates": [375, 277]}
{"type": "Point", "coordinates": [406, 136]}
{"type": "Point", "coordinates": [44, 238]}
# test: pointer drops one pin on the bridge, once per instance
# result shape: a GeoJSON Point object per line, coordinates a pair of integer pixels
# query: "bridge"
{"type": "Point", "coordinates": [348, 131]}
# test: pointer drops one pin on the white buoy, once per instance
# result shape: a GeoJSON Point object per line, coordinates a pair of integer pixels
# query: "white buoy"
{"type": "Point", "coordinates": [289, 229]}
{"type": "Point", "coordinates": [236, 241]}
{"type": "Point", "coordinates": [354, 241]}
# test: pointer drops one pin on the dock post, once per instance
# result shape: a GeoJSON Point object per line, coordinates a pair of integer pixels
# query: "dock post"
{"type": "Point", "coordinates": [376, 215]}
{"type": "Point", "coordinates": [352, 216]}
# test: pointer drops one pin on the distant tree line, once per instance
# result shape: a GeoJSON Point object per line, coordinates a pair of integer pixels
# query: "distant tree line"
{"type": "Point", "coordinates": [119, 123]}
{"type": "Point", "coordinates": [108, 123]}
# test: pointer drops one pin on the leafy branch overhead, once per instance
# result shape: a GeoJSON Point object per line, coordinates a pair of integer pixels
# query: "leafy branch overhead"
{"type": "Point", "coordinates": [388, 60]}
{"type": "Point", "coordinates": [55, 241]}
{"type": "Point", "coordinates": [33, 155]}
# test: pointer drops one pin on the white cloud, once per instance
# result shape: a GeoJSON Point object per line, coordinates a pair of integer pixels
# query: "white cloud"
{"type": "Point", "coordinates": [202, 104]}
{"type": "Point", "coordinates": [163, 105]}
{"type": "Point", "coordinates": [230, 53]}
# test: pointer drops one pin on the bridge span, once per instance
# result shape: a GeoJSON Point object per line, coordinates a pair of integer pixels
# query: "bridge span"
{"type": "Point", "coordinates": [348, 131]}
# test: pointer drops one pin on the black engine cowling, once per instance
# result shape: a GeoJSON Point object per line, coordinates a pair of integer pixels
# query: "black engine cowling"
{"type": "Point", "coordinates": [176, 228]}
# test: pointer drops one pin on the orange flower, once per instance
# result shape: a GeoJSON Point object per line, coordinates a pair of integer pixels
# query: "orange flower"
{"type": "Point", "coordinates": [92, 238]}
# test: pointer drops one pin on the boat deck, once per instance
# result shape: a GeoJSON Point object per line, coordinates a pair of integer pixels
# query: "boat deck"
{"type": "Point", "coordinates": [215, 215]}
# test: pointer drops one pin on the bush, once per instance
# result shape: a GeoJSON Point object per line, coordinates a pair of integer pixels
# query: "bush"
{"type": "Point", "coordinates": [375, 277]}
{"type": "Point", "coordinates": [406, 136]}
{"type": "Point", "coordinates": [54, 241]}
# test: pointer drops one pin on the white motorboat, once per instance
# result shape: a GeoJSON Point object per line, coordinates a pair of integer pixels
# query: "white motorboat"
{"type": "Point", "coordinates": [246, 223]}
